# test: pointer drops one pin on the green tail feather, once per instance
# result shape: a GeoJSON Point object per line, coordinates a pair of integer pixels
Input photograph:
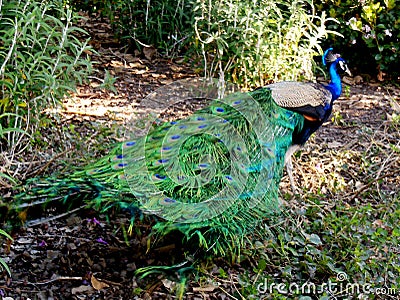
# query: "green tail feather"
{"type": "Point", "coordinates": [213, 176]}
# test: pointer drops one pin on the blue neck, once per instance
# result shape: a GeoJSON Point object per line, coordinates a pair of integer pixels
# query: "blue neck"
{"type": "Point", "coordinates": [335, 86]}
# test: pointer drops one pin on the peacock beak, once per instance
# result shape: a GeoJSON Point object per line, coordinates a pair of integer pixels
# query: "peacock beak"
{"type": "Point", "coordinates": [347, 71]}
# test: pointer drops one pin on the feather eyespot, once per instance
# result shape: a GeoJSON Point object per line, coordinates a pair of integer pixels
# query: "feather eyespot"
{"type": "Point", "coordinates": [119, 166]}
{"type": "Point", "coordinates": [162, 161]}
{"type": "Point", "coordinates": [168, 201]}
{"type": "Point", "coordinates": [91, 172]}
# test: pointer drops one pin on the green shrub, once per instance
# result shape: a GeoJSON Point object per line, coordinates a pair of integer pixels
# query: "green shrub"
{"type": "Point", "coordinates": [371, 31]}
{"type": "Point", "coordinates": [41, 60]}
{"type": "Point", "coordinates": [3, 264]}
{"type": "Point", "coordinates": [256, 42]}
{"type": "Point", "coordinates": [164, 24]}
{"type": "Point", "coordinates": [249, 42]}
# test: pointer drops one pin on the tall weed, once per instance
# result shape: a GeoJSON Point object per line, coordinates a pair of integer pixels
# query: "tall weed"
{"type": "Point", "coordinates": [164, 24]}
{"type": "Point", "coordinates": [257, 42]}
{"type": "Point", "coordinates": [41, 59]}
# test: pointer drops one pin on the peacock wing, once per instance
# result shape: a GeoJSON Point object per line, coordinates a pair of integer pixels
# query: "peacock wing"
{"type": "Point", "coordinates": [306, 98]}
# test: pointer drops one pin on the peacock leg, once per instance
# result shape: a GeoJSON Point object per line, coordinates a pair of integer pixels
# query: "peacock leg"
{"type": "Point", "coordinates": [289, 165]}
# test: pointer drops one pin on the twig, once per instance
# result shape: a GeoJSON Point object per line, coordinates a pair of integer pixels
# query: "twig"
{"type": "Point", "coordinates": [38, 222]}
{"type": "Point", "coordinates": [365, 186]}
{"type": "Point", "coordinates": [57, 278]}
{"type": "Point", "coordinates": [46, 165]}
{"type": "Point", "coordinates": [229, 295]}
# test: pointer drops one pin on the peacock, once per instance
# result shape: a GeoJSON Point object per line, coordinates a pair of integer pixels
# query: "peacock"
{"type": "Point", "coordinates": [214, 175]}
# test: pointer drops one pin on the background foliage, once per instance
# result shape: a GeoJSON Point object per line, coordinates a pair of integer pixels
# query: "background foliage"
{"type": "Point", "coordinates": [246, 36]}
{"type": "Point", "coordinates": [41, 60]}
{"type": "Point", "coordinates": [248, 42]}
{"type": "Point", "coordinates": [165, 24]}
{"type": "Point", "coordinates": [371, 33]}
{"type": "Point", "coordinates": [257, 42]}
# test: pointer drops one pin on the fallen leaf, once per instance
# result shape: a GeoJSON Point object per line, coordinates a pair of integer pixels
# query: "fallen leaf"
{"type": "Point", "coordinates": [168, 284]}
{"type": "Point", "coordinates": [149, 52]}
{"type": "Point", "coordinates": [97, 284]}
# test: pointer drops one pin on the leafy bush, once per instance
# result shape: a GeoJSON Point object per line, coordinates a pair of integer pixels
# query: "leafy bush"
{"type": "Point", "coordinates": [257, 42]}
{"type": "Point", "coordinates": [42, 59]}
{"type": "Point", "coordinates": [164, 24]}
{"type": "Point", "coordinates": [249, 42]}
{"type": "Point", "coordinates": [372, 32]}
{"type": "Point", "coordinates": [3, 265]}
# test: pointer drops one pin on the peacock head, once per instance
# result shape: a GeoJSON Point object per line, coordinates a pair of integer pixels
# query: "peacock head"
{"type": "Point", "coordinates": [341, 66]}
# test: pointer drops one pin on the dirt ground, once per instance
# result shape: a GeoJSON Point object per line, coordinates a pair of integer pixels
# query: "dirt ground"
{"type": "Point", "coordinates": [87, 255]}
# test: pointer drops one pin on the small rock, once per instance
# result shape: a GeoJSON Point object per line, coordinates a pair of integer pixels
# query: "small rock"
{"type": "Point", "coordinates": [358, 79]}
